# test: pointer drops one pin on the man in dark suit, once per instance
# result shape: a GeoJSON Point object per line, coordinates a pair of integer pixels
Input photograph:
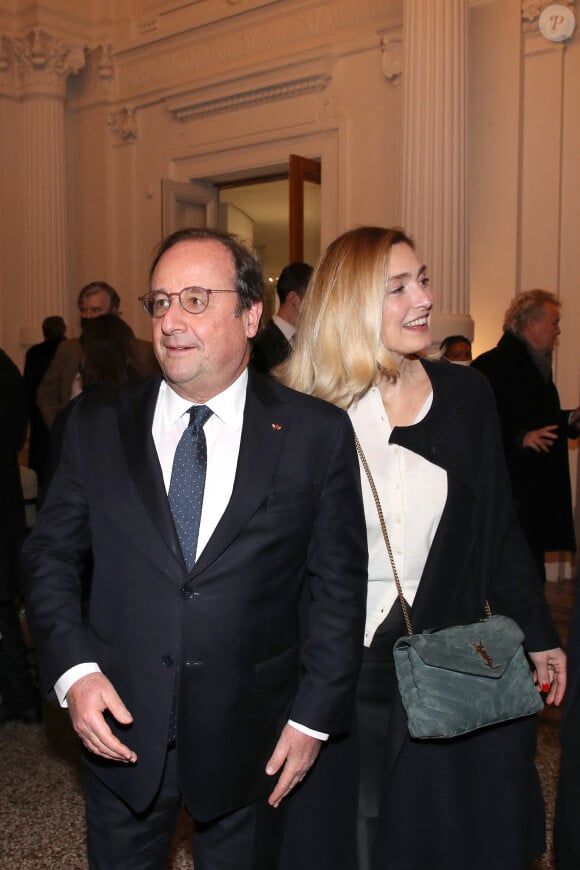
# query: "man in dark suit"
{"type": "Point", "coordinates": [20, 698]}
{"type": "Point", "coordinates": [209, 671]}
{"type": "Point", "coordinates": [36, 362]}
{"type": "Point", "coordinates": [54, 390]}
{"type": "Point", "coordinates": [273, 343]}
{"type": "Point", "coordinates": [535, 429]}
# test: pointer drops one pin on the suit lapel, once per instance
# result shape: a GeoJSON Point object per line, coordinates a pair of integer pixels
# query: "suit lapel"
{"type": "Point", "coordinates": [430, 437]}
{"type": "Point", "coordinates": [136, 419]}
{"type": "Point", "coordinates": [264, 432]}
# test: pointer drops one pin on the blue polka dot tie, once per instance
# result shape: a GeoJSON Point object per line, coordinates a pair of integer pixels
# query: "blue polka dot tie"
{"type": "Point", "coordinates": [188, 481]}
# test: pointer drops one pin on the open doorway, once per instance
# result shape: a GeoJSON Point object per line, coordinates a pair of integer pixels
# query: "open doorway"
{"type": "Point", "coordinates": [277, 212]}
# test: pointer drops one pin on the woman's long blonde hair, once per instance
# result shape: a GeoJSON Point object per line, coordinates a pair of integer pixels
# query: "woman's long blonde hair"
{"type": "Point", "coordinates": [339, 350]}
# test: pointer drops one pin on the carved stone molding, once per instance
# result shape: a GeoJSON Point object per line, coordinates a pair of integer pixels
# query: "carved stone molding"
{"type": "Point", "coordinates": [165, 15]}
{"type": "Point", "coordinates": [193, 106]}
{"type": "Point", "coordinates": [42, 62]}
{"type": "Point", "coordinates": [392, 59]}
{"type": "Point", "coordinates": [123, 124]}
{"type": "Point", "coordinates": [105, 67]}
{"type": "Point", "coordinates": [532, 9]}
{"type": "Point", "coordinates": [297, 30]}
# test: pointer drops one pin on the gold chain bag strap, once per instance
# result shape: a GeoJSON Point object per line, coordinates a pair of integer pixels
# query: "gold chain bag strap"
{"type": "Point", "coordinates": [461, 678]}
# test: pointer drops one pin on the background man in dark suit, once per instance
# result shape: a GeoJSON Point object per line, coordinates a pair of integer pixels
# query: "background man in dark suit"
{"type": "Point", "coordinates": [273, 343]}
{"type": "Point", "coordinates": [36, 362]}
{"type": "Point", "coordinates": [20, 698]}
{"type": "Point", "coordinates": [535, 429]}
{"type": "Point", "coordinates": [211, 672]}
{"type": "Point", "coordinates": [54, 391]}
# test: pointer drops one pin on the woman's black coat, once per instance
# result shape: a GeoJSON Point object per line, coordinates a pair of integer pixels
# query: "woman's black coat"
{"type": "Point", "coordinates": [472, 802]}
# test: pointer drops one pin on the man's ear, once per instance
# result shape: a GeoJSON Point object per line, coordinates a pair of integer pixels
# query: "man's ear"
{"type": "Point", "coordinates": [253, 315]}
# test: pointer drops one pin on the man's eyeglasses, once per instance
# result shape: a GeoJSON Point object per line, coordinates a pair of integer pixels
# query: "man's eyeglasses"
{"type": "Point", "coordinates": [194, 300]}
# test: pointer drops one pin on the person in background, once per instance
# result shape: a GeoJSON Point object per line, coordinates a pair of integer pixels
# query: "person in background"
{"type": "Point", "coordinates": [224, 628]}
{"type": "Point", "coordinates": [456, 349]}
{"type": "Point", "coordinates": [20, 697]}
{"type": "Point", "coordinates": [431, 437]}
{"type": "Point", "coordinates": [55, 389]}
{"type": "Point", "coordinates": [273, 343]}
{"type": "Point", "coordinates": [107, 358]}
{"type": "Point", "coordinates": [36, 362]}
{"type": "Point", "coordinates": [108, 354]}
{"type": "Point", "coordinates": [535, 429]}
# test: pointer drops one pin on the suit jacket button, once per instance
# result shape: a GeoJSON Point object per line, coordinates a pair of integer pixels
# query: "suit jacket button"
{"type": "Point", "coordinates": [187, 593]}
{"type": "Point", "coordinates": [167, 661]}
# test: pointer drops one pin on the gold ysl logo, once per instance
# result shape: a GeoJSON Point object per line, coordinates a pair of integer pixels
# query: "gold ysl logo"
{"type": "Point", "coordinates": [482, 652]}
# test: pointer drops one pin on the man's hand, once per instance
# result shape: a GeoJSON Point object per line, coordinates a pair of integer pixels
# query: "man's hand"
{"type": "Point", "coordinates": [550, 674]}
{"type": "Point", "coordinates": [294, 754]}
{"type": "Point", "coordinates": [87, 699]}
{"type": "Point", "coordinates": [541, 440]}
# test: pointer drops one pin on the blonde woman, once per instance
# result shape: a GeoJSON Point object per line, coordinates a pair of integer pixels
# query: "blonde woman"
{"type": "Point", "coordinates": [430, 435]}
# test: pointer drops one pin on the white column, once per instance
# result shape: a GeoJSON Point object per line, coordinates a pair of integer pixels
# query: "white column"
{"type": "Point", "coordinates": [434, 170]}
{"type": "Point", "coordinates": [44, 65]}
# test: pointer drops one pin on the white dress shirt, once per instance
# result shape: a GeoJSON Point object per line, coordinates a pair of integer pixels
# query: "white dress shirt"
{"type": "Point", "coordinates": [412, 493]}
{"type": "Point", "coordinates": [222, 431]}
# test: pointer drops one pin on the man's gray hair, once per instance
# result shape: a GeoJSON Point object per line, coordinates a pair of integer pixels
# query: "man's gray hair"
{"type": "Point", "coordinates": [525, 307]}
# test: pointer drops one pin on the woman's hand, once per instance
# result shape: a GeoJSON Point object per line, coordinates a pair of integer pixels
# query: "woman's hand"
{"type": "Point", "coordinates": [550, 674]}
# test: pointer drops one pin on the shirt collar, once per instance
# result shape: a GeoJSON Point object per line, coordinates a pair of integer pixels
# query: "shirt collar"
{"type": "Point", "coordinates": [227, 405]}
{"type": "Point", "coordinates": [285, 328]}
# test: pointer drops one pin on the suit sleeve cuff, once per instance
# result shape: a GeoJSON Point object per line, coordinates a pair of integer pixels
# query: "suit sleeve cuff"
{"type": "Point", "coordinates": [320, 735]}
{"type": "Point", "coordinates": [69, 678]}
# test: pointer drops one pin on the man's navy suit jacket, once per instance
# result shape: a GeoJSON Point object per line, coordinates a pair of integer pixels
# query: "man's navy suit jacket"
{"type": "Point", "coordinates": [267, 626]}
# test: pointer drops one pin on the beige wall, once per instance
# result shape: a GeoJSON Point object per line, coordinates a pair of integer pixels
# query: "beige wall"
{"type": "Point", "coordinates": [138, 121]}
{"type": "Point", "coordinates": [351, 123]}
{"type": "Point", "coordinates": [494, 156]}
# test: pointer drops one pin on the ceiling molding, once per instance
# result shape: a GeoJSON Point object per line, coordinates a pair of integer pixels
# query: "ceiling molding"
{"type": "Point", "coordinates": [197, 105]}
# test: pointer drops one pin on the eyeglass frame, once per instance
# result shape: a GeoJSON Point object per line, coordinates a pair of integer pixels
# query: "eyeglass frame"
{"type": "Point", "coordinates": [207, 290]}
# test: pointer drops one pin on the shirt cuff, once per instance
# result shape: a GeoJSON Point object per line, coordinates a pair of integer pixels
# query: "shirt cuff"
{"type": "Point", "coordinates": [320, 735]}
{"type": "Point", "coordinates": [69, 678]}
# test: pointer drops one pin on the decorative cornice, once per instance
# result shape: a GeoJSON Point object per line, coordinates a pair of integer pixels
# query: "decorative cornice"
{"type": "Point", "coordinates": [123, 124]}
{"type": "Point", "coordinates": [273, 32]}
{"type": "Point", "coordinates": [192, 106]}
{"type": "Point", "coordinates": [44, 62]}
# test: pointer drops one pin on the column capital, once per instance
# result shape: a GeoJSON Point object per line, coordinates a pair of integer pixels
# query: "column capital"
{"type": "Point", "coordinates": [41, 62]}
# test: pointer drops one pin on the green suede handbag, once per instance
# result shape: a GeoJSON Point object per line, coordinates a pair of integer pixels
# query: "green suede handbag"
{"type": "Point", "coordinates": [460, 678]}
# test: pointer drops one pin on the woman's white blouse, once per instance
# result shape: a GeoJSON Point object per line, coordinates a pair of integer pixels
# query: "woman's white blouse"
{"type": "Point", "coordinates": [412, 492]}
